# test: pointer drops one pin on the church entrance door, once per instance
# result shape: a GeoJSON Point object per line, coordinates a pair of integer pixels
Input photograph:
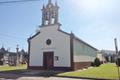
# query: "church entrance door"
{"type": "Point", "coordinates": [48, 60]}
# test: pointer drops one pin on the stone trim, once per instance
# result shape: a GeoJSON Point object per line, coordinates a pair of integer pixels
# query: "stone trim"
{"type": "Point", "coordinates": [76, 66]}
{"type": "Point", "coordinates": [80, 65]}
{"type": "Point", "coordinates": [36, 68]}
{"type": "Point", "coordinates": [54, 68]}
{"type": "Point", "coordinates": [62, 68]}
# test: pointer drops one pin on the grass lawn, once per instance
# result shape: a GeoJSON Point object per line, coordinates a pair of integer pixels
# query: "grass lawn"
{"type": "Point", "coordinates": [105, 71]}
{"type": "Point", "coordinates": [10, 68]}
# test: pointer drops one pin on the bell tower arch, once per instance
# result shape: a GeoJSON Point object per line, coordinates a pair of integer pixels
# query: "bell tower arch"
{"type": "Point", "coordinates": [50, 13]}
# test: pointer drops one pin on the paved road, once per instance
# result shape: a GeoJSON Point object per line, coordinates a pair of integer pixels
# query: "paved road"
{"type": "Point", "coordinates": [33, 75]}
{"type": "Point", "coordinates": [46, 78]}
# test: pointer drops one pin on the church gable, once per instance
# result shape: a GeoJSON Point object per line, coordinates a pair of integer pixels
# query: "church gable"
{"type": "Point", "coordinates": [49, 30]}
{"type": "Point", "coordinates": [50, 39]}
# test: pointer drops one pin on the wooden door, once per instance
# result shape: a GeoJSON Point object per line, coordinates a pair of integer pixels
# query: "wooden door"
{"type": "Point", "coordinates": [48, 60]}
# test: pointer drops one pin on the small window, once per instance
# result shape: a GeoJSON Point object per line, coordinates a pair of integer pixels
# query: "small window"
{"type": "Point", "coordinates": [48, 42]}
{"type": "Point", "coordinates": [56, 58]}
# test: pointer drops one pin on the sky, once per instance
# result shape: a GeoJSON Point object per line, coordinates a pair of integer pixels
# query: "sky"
{"type": "Point", "coordinates": [96, 22]}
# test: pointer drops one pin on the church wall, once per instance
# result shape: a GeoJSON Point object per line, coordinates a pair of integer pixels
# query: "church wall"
{"type": "Point", "coordinates": [60, 46]}
{"type": "Point", "coordinates": [83, 52]}
{"type": "Point", "coordinates": [82, 58]}
{"type": "Point", "coordinates": [35, 52]}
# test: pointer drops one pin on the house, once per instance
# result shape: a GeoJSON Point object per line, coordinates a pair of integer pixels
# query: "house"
{"type": "Point", "coordinates": [101, 57]}
{"type": "Point", "coordinates": [10, 58]}
{"type": "Point", "coordinates": [53, 49]}
{"type": "Point", "coordinates": [21, 57]}
{"type": "Point", "coordinates": [109, 55]}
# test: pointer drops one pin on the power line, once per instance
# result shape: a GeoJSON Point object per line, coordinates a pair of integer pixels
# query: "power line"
{"type": "Point", "coordinates": [5, 2]}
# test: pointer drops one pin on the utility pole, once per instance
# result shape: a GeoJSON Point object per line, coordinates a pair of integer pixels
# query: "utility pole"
{"type": "Point", "coordinates": [17, 49]}
{"type": "Point", "coordinates": [116, 48]}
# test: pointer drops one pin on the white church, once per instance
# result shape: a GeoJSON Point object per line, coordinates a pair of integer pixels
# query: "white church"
{"type": "Point", "coordinates": [53, 49]}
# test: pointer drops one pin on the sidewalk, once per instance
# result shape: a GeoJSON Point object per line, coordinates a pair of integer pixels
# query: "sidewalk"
{"type": "Point", "coordinates": [33, 75]}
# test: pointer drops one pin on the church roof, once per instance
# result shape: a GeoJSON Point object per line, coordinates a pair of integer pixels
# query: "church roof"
{"type": "Point", "coordinates": [75, 37]}
{"type": "Point", "coordinates": [85, 43]}
{"type": "Point", "coordinates": [2, 50]}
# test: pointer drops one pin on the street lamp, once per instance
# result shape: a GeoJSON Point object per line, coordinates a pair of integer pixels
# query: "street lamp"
{"type": "Point", "coordinates": [17, 49]}
{"type": "Point", "coordinates": [117, 61]}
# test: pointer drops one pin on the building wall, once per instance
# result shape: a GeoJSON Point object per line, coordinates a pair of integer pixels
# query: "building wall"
{"type": "Point", "coordinates": [100, 56]}
{"type": "Point", "coordinates": [60, 46]}
{"type": "Point", "coordinates": [83, 52]}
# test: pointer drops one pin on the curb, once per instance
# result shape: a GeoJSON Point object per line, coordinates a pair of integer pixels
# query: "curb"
{"type": "Point", "coordinates": [84, 78]}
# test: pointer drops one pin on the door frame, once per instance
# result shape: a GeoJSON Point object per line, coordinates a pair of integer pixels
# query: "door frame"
{"type": "Point", "coordinates": [46, 56]}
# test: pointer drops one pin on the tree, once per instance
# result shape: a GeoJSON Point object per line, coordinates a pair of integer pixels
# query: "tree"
{"type": "Point", "coordinates": [107, 58]}
{"type": "Point", "coordinates": [92, 63]}
{"type": "Point", "coordinates": [97, 62]}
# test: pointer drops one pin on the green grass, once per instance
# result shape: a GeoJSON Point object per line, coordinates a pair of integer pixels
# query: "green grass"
{"type": "Point", "coordinates": [105, 71]}
{"type": "Point", "coordinates": [10, 68]}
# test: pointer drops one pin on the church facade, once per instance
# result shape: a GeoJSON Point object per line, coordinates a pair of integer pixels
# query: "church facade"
{"type": "Point", "coordinates": [53, 49]}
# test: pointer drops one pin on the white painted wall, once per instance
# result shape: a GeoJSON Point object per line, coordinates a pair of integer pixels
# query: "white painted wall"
{"type": "Point", "coordinates": [83, 52]}
{"type": "Point", "coordinates": [100, 56]}
{"type": "Point", "coordinates": [60, 45]}
{"type": "Point", "coordinates": [82, 58]}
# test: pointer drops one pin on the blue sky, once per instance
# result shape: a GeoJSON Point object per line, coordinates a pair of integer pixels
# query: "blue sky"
{"type": "Point", "coordinates": [97, 22]}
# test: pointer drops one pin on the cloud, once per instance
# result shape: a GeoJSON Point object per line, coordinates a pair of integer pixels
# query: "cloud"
{"type": "Point", "coordinates": [96, 9]}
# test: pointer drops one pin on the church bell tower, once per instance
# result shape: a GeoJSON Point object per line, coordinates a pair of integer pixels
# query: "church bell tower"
{"type": "Point", "coordinates": [50, 13]}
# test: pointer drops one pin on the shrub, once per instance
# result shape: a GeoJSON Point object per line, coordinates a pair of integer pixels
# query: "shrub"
{"type": "Point", "coordinates": [92, 63]}
{"type": "Point", "coordinates": [1, 62]}
{"type": "Point", "coordinates": [97, 62]}
{"type": "Point", "coordinates": [118, 62]}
